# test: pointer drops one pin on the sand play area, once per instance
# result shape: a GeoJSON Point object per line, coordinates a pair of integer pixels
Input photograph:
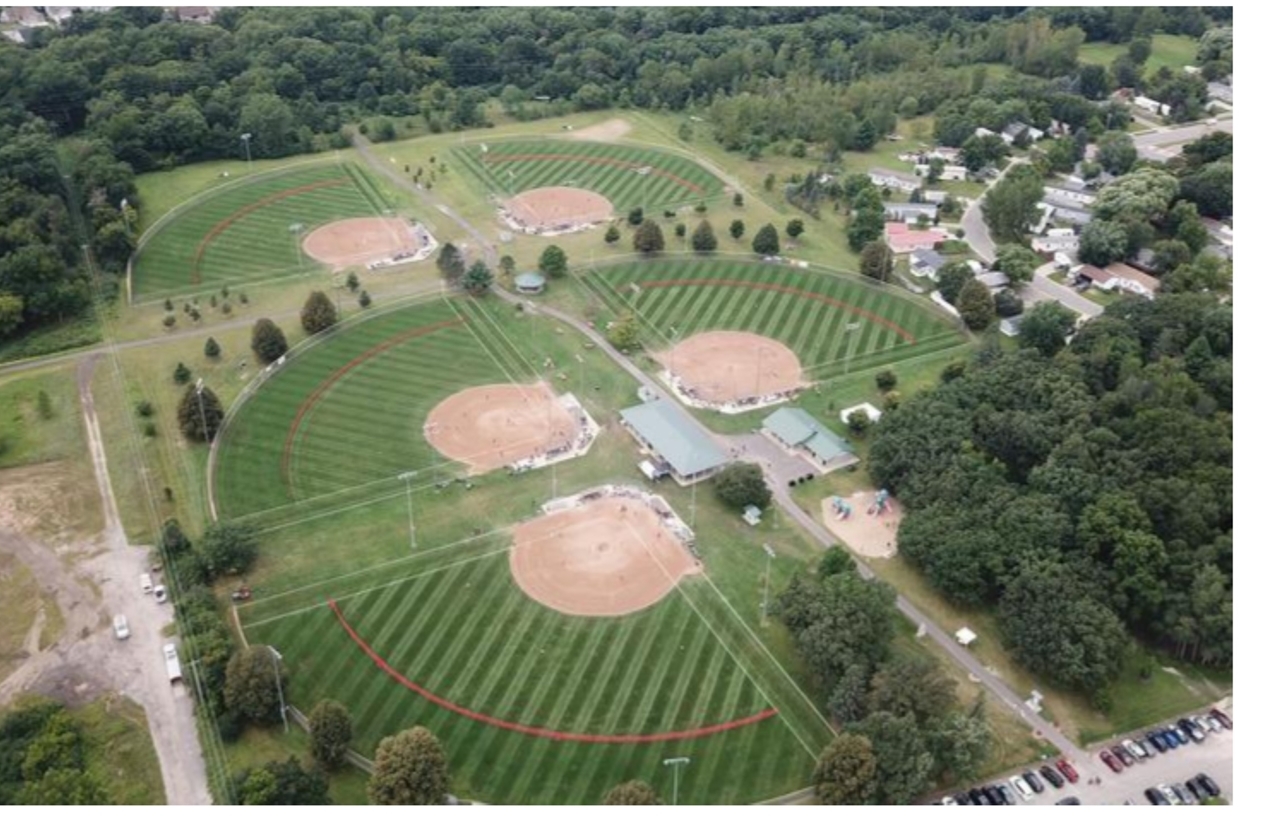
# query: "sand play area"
{"type": "Point", "coordinates": [868, 535]}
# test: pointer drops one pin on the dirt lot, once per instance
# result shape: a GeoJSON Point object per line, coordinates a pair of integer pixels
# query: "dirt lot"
{"type": "Point", "coordinates": [608, 557]}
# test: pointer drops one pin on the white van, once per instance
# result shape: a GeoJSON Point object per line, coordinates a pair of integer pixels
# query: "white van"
{"type": "Point", "coordinates": [121, 627]}
{"type": "Point", "coordinates": [146, 583]}
{"type": "Point", "coordinates": [171, 663]}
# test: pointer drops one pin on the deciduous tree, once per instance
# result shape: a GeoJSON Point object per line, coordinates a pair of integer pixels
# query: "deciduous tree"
{"type": "Point", "coordinates": [741, 484]}
{"type": "Point", "coordinates": [330, 724]}
{"type": "Point", "coordinates": [553, 262]}
{"type": "Point", "coordinates": [250, 692]}
{"type": "Point", "coordinates": [876, 261]}
{"type": "Point", "coordinates": [976, 306]}
{"type": "Point", "coordinates": [410, 768]}
{"type": "Point", "coordinates": [846, 772]}
{"type": "Point", "coordinates": [634, 792]}
{"type": "Point", "coordinates": [1045, 327]}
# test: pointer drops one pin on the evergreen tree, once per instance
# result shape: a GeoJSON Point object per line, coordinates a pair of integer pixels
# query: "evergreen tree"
{"type": "Point", "coordinates": [318, 313]}
{"type": "Point", "coordinates": [199, 414]}
{"type": "Point", "coordinates": [553, 262]}
{"type": "Point", "coordinates": [268, 341]}
{"type": "Point", "coordinates": [704, 238]}
{"type": "Point", "coordinates": [737, 228]}
{"type": "Point", "coordinates": [211, 348]}
{"type": "Point", "coordinates": [648, 238]}
{"type": "Point", "coordinates": [766, 241]}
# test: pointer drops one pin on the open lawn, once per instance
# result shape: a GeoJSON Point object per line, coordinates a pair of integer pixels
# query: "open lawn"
{"type": "Point", "coordinates": [242, 233]}
{"type": "Point", "coordinates": [257, 746]}
{"type": "Point", "coordinates": [629, 176]}
{"type": "Point", "coordinates": [1167, 51]}
{"type": "Point", "coordinates": [36, 429]}
{"type": "Point", "coordinates": [834, 324]}
{"type": "Point", "coordinates": [118, 748]}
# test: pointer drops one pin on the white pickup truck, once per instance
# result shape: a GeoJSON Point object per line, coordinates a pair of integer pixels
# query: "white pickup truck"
{"type": "Point", "coordinates": [171, 663]}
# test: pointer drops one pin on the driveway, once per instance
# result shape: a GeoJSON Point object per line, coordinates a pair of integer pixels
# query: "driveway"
{"type": "Point", "coordinates": [1041, 288]}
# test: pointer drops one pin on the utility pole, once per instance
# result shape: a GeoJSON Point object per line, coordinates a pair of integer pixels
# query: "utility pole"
{"type": "Point", "coordinates": [764, 606]}
{"type": "Point", "coordinates": [284, 711]}
{"type": "Point", "coordinates": [676, 762]}
{"type": "Point", "coordinates": [204, 424]}
{"type": "Point", "coordinates": [248, 154]}
{"type": "Point", "coordinates": [408, 495]}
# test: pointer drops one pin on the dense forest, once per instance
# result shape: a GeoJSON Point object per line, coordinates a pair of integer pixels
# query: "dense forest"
{"type": "Point", "coordinates": [134, 86]}
{"type": "Point", "coordinates": [1083, 491]}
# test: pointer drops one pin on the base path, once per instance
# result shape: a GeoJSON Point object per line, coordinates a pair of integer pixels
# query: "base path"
{"type": "Point", "coordinates": [554, 208]}
{"type": "Point", "coordinates": [354, 241]}
{"type": "Point", "coordinates": [728, 366]}
{"type": "Point", "coordinates": [609, 557]}
{"type": "Point", "coordinates": [867, 534]}
{"type": "Point", "coordinates": [492, 426]}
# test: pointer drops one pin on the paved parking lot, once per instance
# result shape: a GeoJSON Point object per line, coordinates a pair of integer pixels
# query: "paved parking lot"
{"type": "Point", "coordinates": [1213, 757]}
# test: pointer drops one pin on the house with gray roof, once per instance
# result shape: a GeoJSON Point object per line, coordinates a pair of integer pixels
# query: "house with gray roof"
{"type": "Point", "coordinates": [681, 446]}
{"type": "Point", "coordinates": [900, 211]}
{"type": "Point", "coordinates": [894, 179]}
{"type": "Point", "coordinates": [796, 431]}
{"type": "Point", "coordinates": [925, 263]}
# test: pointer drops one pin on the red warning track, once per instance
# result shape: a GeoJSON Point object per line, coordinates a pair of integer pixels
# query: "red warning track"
{"type": "Point", "coordinates": [684, 182]}
{"type": "Point", "coordinates": [790, 290]}
{"type": "Point", "coordinates": [319, 391]}
{"type": "Point", "coordinates": [222, 225]}
{"type": "Point", "coordinates": [533, 730]}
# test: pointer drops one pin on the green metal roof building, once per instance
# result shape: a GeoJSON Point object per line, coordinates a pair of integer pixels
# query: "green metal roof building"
{"type": "Point", "coordinates": [665, 430]}
{"type": "Point", "coordinates": [797, 430]}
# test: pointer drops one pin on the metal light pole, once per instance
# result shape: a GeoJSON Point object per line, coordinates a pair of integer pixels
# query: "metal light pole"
{"type": "Point", "coordinates": [284, 712]}
{"type": "Point", "coordinates": [297, 230]}
{"type": "Point", "coordinates": [676, 762]}
{"type": "Point", "coordinates": [849, 329]}
{"type": "Point", "coordinates": [764, 606]}
{"type": "Point", "coordinates": [204, 424]}
{"type": "Point", "coordinates": [408, 495]}
{"type": "Point", "coordinates": [248, 154]}
{"type": "Point", "coordinates": [581, 376]}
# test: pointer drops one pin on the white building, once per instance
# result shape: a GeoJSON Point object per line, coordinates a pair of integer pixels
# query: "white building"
{"type": "Point", "coordinates": [950, 172]}
{"type": "Point", "coordinates": [1150, 105]}
{"type": "Point", "coordinates": [894, 179]}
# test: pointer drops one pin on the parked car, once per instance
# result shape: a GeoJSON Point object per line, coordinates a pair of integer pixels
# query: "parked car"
{"type": "Point", "coordinates": [962, 798]}
{"type": "Point", "coordinates": [1067, 770]}
{"type": "Point", "coordinates": [121, 627]}
{"type": "Point", "coordinates": [1157, 739]}
{"type": "Point", "coordinates": [1169, 795]}
{"type": "Point", "coordinates": [977, 797]}
{"type": "Point", "coordinates": [994, 795]}
{"type": "Point", "coordinates": [1221, 717]}
{"type": "Point", "coordinates": [1135, 749]}
{"type": "Point", "coordinates": [1195, 790]}
{"type": "Point", "coordinates": [1148, 746]}
{"type": "Point", "coordinates": [1154, 796]}
{"type": "Point", "coordinates": [1123, 754]}
{"type": "Point", "coordinates": [1070, 800]}
{"type": "Point", "coordinates": [1183, 793]}
{"type": "Point", "coordinates": [1109, 759]}
{"type": "Point", "coordinates": [947, 800]}
{"type": "Point", "coordinates": [162, 594]}
{"type": "Point", "coordinates": [1010, 798]}
{"type": "Point", "coordinates": [1034, 781]}
{"type": "Point", "coordinates": [1191, 729]}
{"type": "Point", "coordinates": [1178, 734]}
{"type": "Point", "coordinates": [1020, 785]}
{"type": "Point", "coordinates": [1051, 776]}
{"type": "Point", "coordinates": [1208, 784]}
{"type": "Point", "coordinates": [146, 583]}
{"type": "Point", "coordinates": [172, 665]}
{"type": "Point", "coordinates": [1209, 723]}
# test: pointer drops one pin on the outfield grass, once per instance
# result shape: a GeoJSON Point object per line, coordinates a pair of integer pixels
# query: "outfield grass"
{"type": "Point", "coordinates": [242, 233]}
{"type": "Point", "coordinates": [808, 311]}
{"type": "Point", "coordinates": [615, 171]}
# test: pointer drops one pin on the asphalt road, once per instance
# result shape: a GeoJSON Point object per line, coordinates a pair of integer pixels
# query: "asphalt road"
{"type": "Point", "coordinates": [1041, 288]}
{"type": "Point", "coordinates": [1180, 134]}
{"type": "Point", "coordinates": [975, 226]}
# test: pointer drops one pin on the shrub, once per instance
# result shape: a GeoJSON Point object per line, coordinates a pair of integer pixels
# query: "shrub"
{"type": "Point", "coordinates": [886, 380]}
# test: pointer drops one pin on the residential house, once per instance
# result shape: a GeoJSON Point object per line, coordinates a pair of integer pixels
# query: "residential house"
{"type": "Point", "coordinates": [1151, 105]}
{"type": "Point", "coordinates": [995, 281]}
{"type": "Point", "coordinates": [980, 132]}
{"type": "Point", "coordinates": [935, 196]}
{"type": "Point", "coordinates": [1011, 326]}
{"type": "Point", "coordinates": [950, 172]}
{"type": "Point", "coordinates": [203, 15]}
{"type": "Point", "coordinates": [1220, 91]}
{"type": "Point", "coordinates": [899, 211]}
{"type": "Point", "coordinates": [925, 263]}
{"type": "Point", "coordinates": [902, 239]}
{"type": "Point", "coordinates": [894, 179]}
{"type": "Point", "coordinates": [1070, 192]}
{"type": "Point", "coordinates": [23, 16]}
{"type": "Point", "coordinates": [1221, 238]}
{"type": "Point", "coordinates": [1013, 130]}
{"type": "Point", "coordinates": [1132, 280]}
{"type": "Point", "coordinates": [1057, 239]}
{"type": "Point", "coordinates": [1088, 273]}
{"type": "Point", "coordinates": [1072, 215]}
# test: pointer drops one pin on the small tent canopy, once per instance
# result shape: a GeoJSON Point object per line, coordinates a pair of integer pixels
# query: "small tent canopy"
{"type": "Point", "coordinates": [965, 636]}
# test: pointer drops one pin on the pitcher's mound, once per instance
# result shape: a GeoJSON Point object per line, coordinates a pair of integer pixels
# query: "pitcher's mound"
{"type": "Point", "coordinates": [491, 426]}
{"type": "Point", "coordinates": [609, 557]}
{"type": "Point", "coordinates": [729, 366]}
{"type": "Point", "coordinates": [355, 241]}
{"type": "Point", "coordinates": [558, 208]}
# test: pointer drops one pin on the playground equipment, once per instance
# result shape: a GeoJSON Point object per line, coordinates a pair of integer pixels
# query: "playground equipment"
{"type": "Point", "coordinates": [882, 501]}
{"type": "Point", "coordinates": [842, 508]}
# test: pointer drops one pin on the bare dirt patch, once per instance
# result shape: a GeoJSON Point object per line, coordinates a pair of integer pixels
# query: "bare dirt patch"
{"type": "Point", "coordinates": [354, 241]}
{"type": "Point", "coordinates": [558, 208]}
{"type": "Point", "coordinates": [728, 366]}
{"type": "Point", "coordinates": [609, 131]}
{"type": "Point", "coordinates": [868, 535]}
{"type": "Point", "coordinates": [492, 426]}
{"type": "Point", "coordinates": [610, 557]}
{"type": "Point", "coordinates": [54, 501]}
